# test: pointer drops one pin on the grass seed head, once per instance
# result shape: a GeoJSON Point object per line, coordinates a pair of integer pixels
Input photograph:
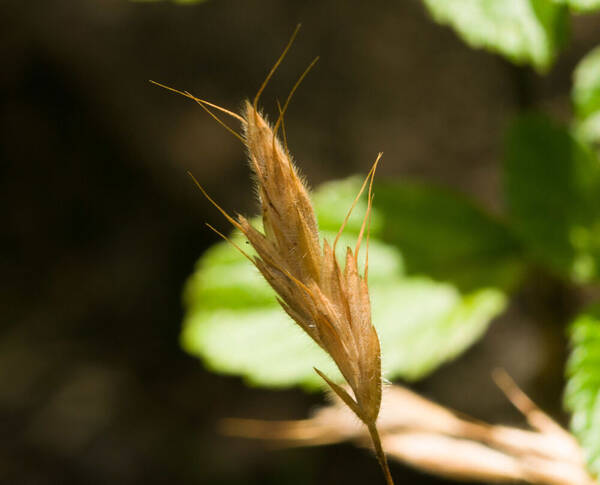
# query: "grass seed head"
{"type": "Point", "coordinates": [331, 305]}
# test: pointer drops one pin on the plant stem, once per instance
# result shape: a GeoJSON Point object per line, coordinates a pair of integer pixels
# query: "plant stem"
{"type": "Point", "coordinates": [381, 458]}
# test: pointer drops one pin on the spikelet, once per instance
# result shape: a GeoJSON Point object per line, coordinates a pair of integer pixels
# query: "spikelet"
{"type": "Point", "coordinates": [329, 303]}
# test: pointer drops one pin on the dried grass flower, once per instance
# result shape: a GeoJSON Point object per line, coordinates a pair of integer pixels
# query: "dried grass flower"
{"type": "Point", "coordinates": [329, 303]}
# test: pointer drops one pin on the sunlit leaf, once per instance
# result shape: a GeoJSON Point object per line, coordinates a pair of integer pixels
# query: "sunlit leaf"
{"type": "Point", "coordinates": [524, 31]}
{"type": "Point", "coordinates": [581, 5]}
{"type": "Point", "coordinates": [582, 394]}
{"type": "Point", "coordinates": [586, 97]}
{"type": "Point", "coordinates": [552, 185]}
{"type": "Point", "coordinates": [235, 325]}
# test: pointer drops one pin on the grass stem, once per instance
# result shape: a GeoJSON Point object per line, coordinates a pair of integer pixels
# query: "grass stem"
{"type": "Point", "coordinates": [381, 458]}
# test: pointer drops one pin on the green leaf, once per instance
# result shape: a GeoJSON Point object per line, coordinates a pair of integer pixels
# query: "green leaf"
{"type": "Point", "coordinates": [447, 237]}
{"type": "Point", "coordinates": [582, 393]}
{"type": "Point", "coordinates": [582, 6]}
{"type": "Point", "coordinates": [235, 325]}
{"type": "Point", "coordinates": [586, 96]}
{"type": "Point", "coordinates": [524, 31]}
{"type": "Point", "coordinates": [440, 233]}
{"type": "Point", "coordinates": [552, 185]}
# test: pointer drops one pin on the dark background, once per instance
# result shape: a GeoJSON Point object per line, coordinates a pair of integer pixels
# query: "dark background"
{"type": "Point", "coordinates": [101, 225]}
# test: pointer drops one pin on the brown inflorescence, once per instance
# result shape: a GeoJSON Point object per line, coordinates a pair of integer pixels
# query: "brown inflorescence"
{"type": "Point", "coordinates": [329, 303]}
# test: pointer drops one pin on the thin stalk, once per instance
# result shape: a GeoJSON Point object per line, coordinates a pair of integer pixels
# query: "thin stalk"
{"type": "Point", "coordinates": [381, 458]}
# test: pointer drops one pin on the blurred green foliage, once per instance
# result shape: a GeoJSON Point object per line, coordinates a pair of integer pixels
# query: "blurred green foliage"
{"type": "Point", "coordinates": [235, 324]}
{"type": "Point", "coordinates": [552, 186]}
{"type": "Point", "coordinates": [478, 250]}
{"type": "Point", "coordinates": [581, 5]}
{"type": "Point", "coordinates": [582, 395]}
{"type": "Point", "coordinates": [524, 31]}
{"type": "Point", "coordinates": [586, 97]}
{"type": "Point", "coordinates": [447, 237]}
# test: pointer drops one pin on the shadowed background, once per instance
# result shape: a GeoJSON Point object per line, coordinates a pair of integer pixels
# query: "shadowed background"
{"type": "Point", "coordinates": [101, 225]}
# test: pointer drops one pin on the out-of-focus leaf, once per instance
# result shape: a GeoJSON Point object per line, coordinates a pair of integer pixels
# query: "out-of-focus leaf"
{"type": "Point", "coordinates": [440, 233]}
{"type": "Point", "coordinates": [581, 5]}
{"type": "Point", "coordinates": [586, 96]}
{"type": "Point", "coordinates": [524, 31]}
{"type": "Point", "coordinates": [423, 323]}
{"type": "Point", "coordinates": [588, 130]}
{"type": "Point", "coordinates": [235, 324]}
{"type": "Point", "coordinates": [552, 185]}
{"type": "Point", "coordinates": [447, 237]}
{"type": "Point", "coordinates": [582, 394]}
